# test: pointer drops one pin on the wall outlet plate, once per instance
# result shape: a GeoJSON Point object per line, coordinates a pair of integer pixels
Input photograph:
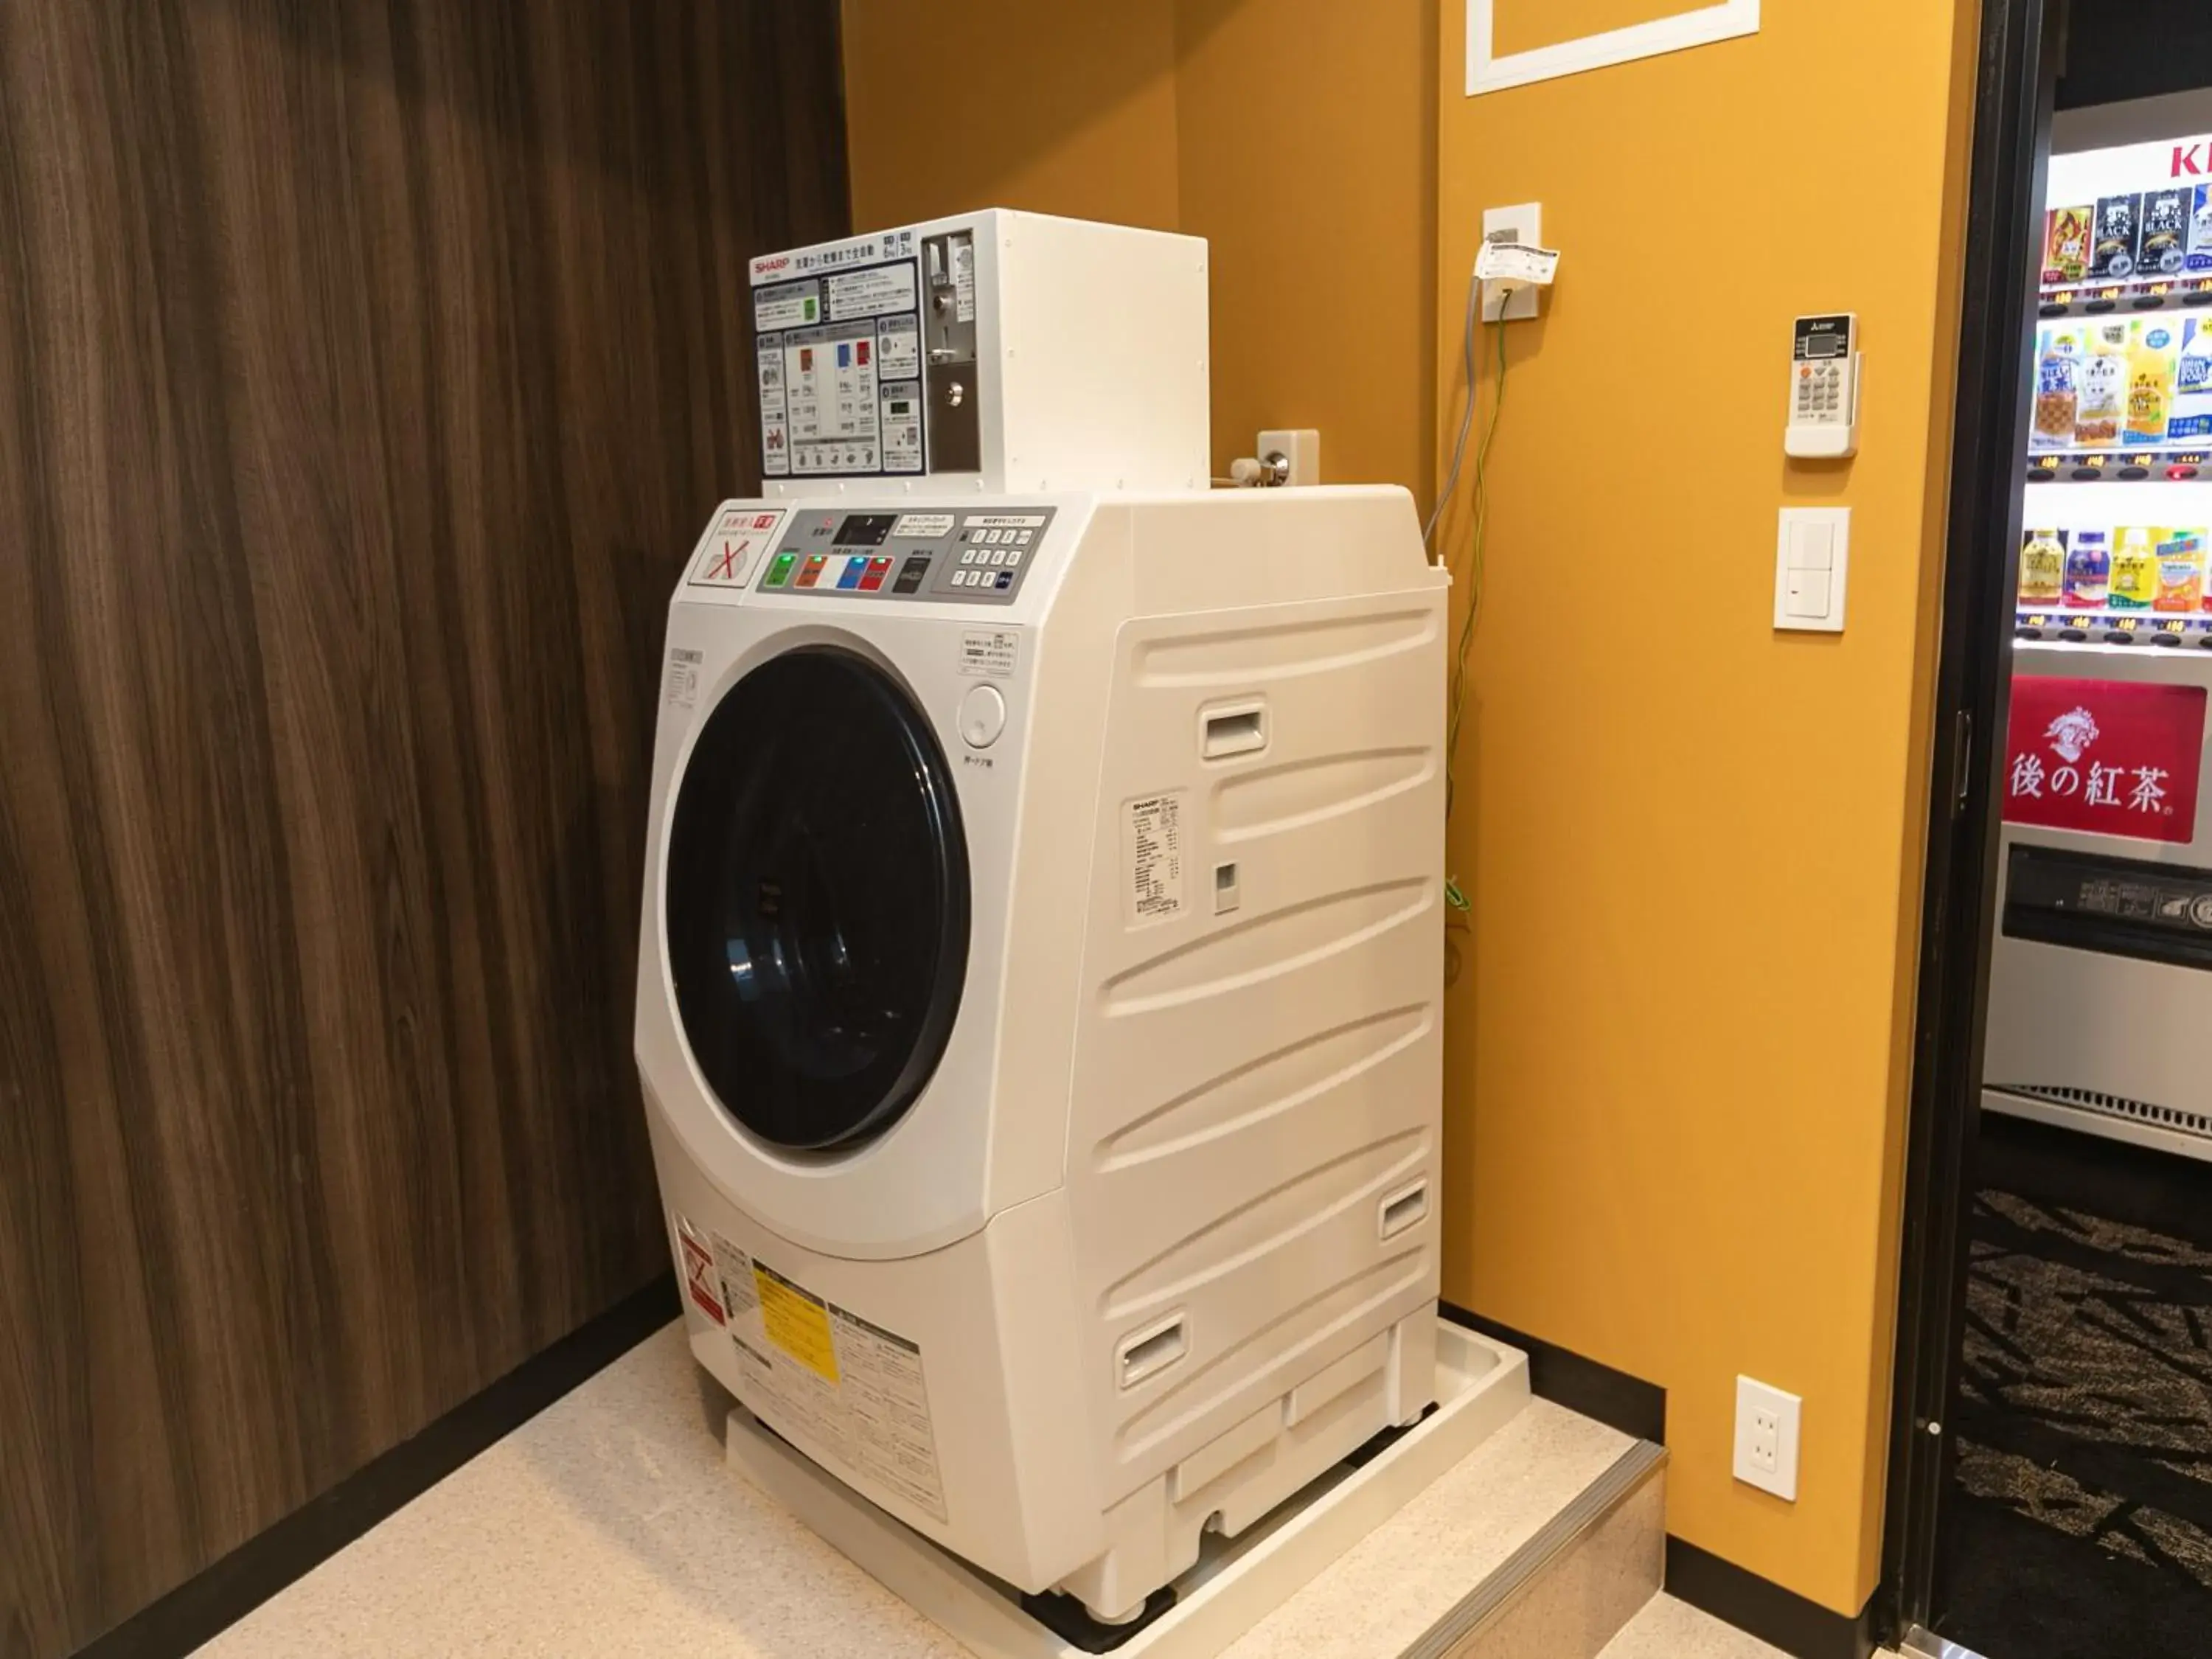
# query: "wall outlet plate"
{"type": "Point", "coordinates": [1301, 445]}
{"type": "Point", "coordinates": [1766, 1425]}
{"type": "Point", "coordinates": [1524, 224]}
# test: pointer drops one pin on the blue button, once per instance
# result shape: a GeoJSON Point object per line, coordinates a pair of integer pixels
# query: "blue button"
{"type": "Point", "coordinates": [1005, 578]}
{"type": "Point", "coordinates": [855, 567]}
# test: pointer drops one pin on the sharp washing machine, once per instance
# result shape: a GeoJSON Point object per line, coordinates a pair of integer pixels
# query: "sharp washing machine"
{"type": "Point", "coordinates": [1039, 1006]}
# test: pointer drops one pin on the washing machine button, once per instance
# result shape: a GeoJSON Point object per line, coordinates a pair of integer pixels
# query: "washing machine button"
{"type": "Point", "coordinates": [983, 717]}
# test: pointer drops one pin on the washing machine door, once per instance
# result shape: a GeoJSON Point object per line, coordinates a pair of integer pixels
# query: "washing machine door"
{"type": "Point", "coordinates": [817, 901]}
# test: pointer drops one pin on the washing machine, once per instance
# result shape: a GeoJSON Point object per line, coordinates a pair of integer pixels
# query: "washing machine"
{"type": "Point", "coordinates": [1039, 1006]}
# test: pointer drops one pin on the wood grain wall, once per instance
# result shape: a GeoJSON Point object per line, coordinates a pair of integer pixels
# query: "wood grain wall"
{"type": "Point", "coordinates": [367, 369]}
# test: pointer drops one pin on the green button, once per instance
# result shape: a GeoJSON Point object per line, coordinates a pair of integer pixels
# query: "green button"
{"type": "Point", "coordinates": [780, 572]}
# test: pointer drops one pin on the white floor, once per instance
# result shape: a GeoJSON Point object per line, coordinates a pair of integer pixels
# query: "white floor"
{"type": "Point", "coordinates": [607, 1526]}
{"type": "Point", "coordinates": [1667, 1629]}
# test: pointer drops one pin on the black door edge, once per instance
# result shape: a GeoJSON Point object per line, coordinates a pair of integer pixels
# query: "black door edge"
{"type": "Point", "coordinates": [2014, 78]}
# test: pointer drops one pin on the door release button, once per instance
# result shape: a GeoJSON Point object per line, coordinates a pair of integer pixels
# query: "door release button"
{"type": "Point", "coordinates": [983, 717]}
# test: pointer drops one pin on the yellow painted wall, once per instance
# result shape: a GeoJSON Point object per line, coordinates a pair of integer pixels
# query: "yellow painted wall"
{"type": "Point", "coordinates": [1307, 157]}
{"type": "Point", "coordinates": [1677, 1050]}
{"type": "Point", "coordinates": [1692, 842]}
{"type": "Point", "coordinates": [1297, 136]}
{"type": "Point", "coordinates": [960, 104]}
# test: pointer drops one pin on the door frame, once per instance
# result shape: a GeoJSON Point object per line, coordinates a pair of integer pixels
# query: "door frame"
{"type": "Point", "coordinates": [2016, 78]}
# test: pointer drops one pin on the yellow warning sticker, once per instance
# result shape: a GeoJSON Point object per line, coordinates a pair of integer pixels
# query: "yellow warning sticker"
{"type": "Point", "coordinates": [796, 1322]}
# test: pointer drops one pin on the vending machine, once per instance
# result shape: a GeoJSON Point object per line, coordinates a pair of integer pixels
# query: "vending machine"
{"type": "Point", "coordinates": [2100, 994]}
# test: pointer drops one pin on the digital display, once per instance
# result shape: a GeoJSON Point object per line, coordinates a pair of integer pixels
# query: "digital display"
{"type": "Point", "coordinates": [1824, 345]}
{"type": "Point", "coordinates": [866, 529]}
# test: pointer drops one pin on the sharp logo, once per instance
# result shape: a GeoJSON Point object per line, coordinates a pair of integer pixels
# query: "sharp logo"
{"type": "Point", "coordinates": [778, 262]}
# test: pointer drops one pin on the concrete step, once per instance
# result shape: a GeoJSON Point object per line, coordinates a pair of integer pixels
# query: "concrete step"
{"type": "Point", "coordinates": [1576, 1583]}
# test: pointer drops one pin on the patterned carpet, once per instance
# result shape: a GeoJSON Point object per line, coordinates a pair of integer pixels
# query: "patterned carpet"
{"type": "Point", "coordinates": [2082, 1520]}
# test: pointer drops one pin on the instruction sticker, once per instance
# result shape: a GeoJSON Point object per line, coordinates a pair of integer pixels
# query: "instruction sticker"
{"type": "Point", "coordinates": [794, 306]}
{"type": "Point", "coordinates": [902, 427]}
{"type": "Point", "coordinates": [990, 652]}
{"type": "Point", "coordinates": [963, 280]}
{"type": "Point", "coordinates": [838, 334]}
{"type": "Point", "coordinates": [871, 293]}
{"type": "Point", "coordinates": [898, 344]}
{"type": "Point", "coordinates": [775, 414]}
{"type": "Point", "coordinates": [848, 1391]}
{"type": "Point", "coordinates": [1151, 857]}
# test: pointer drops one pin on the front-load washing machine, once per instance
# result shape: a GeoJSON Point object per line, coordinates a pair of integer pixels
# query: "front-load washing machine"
{"type": "Point", "coordinates": [1039, 1002]}
{"type": "Point", "coordinates": [1040, 991]}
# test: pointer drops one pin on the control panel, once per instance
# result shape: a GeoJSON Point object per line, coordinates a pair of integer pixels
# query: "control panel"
{"type": "Point", "coordinates": [1824, 387]}
{"type": "Point", "coordinates": [959, 555]}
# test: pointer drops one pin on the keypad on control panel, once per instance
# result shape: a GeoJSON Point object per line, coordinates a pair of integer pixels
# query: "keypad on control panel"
{"type": "Point", "coordinates": [960, 556]}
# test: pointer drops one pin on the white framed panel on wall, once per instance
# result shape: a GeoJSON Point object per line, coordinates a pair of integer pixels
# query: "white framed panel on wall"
{"type": "Point", "coordinates": [1488, 71]}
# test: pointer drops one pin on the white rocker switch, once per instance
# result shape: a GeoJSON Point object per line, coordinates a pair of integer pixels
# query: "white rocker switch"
{"type": "Point", "coordinates": [1811, 555]}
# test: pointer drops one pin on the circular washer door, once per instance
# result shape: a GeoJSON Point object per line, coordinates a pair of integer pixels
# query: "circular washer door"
{"type": "Point", "coordinates": [817, 901]}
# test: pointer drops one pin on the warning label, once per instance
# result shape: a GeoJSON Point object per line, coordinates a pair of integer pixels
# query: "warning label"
{"type": "Point", "coordinates": [796, 1322]}
{"type": "Point", "coordinates": [739, 535]}
{"type": "Point", "coordinates": [989, 651]}
{"type": "Point", "coordinates": [1152, 853]}
{"type": "Point", "coordinates": [702, 1280]}
{"type": "Point", "coordinates": [846, 1389]}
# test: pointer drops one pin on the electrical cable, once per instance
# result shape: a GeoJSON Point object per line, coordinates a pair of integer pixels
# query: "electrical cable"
{"type": "Point", "coordinates": [1454, 894]}
{"type": "Point", "coordinates": [1466, 416]}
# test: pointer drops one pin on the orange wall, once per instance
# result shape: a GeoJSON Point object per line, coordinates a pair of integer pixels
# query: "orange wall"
{"type": "Point", "coordinates": [967, 104]}
{"type": "Point", "coordinates": [1676, 1057]}
{"type": "Point", "coordinates": [1297, 136]}
{"type": "Point", "coordinates": [1692, 842]}
{"type": "Point", "coordinates": [1307, 143]}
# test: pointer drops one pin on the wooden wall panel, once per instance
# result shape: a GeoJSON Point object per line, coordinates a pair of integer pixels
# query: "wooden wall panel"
{"type": "Point", "coordinates": [367, 369]}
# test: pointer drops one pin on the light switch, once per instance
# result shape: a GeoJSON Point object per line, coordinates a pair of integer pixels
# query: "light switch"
{"type": "Point", "coordinates": [1813, 546]}
{"type": "Point", "coordinates": [1808, 594]}
{"type": "Point", "coordinates": [1811, 558]}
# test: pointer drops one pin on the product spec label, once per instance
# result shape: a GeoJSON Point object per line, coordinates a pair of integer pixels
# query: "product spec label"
{"type": "Point", "coordinates": [1152, 855]}
{"type": "Point", "coordinates": [682, 681]}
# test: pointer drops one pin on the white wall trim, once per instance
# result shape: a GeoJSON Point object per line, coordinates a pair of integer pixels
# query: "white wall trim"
{"type": "Point", "coordinates": [1488, 73]}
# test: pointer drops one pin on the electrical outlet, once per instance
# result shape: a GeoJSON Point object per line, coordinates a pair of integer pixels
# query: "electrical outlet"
{"type": "Point", "coordinates": [1766, 1422]}
{"type": "Point", "coordinates": [1300, 446]}
{"type": "Point", "coordinates": [1524, 224]}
